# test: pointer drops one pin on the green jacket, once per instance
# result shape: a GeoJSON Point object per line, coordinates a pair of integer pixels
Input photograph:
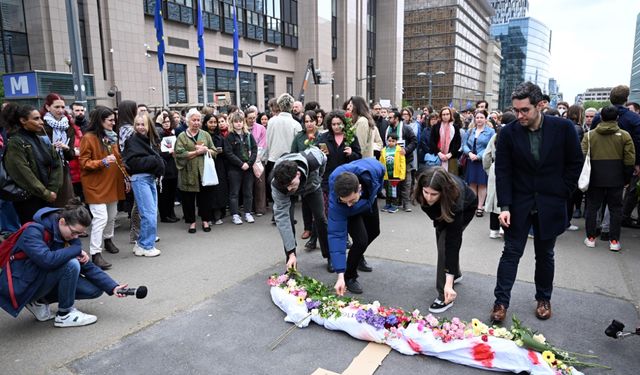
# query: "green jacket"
{"type": "Point", "coordinates": [22, 165]}
{"type": "Point", "coordinates": [190, 171]}
{"type": "Point", "coordinates": [612, 155]}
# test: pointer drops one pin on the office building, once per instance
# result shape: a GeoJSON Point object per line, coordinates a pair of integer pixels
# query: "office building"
{"type": "Point", "coordinates": [634, 84]}
{"type": "Point", "coordinates": [526, 45]}
{"type": "Point", "coordinates": [507, 10]}
{"type": "Point", "coordinates": [450, 37]}
{"type": "Point", "coordinates": [598, 94]}
{"type": "Point", "coordinates": [118, 38]}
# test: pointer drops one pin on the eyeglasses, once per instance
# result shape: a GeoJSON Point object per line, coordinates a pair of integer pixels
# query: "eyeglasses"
{"type": "Point", "coordinates": [524, 111]}
{"type": "Point", "coordinates": [75, 232]}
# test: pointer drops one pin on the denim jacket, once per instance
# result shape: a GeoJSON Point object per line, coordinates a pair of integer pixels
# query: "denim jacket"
{"type": "Point", "coordinates": [482, 142]}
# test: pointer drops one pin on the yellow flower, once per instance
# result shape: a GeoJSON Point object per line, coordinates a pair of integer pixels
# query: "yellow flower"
{"type": "Point", "coordinates": [478, 327]}
{"type": "Point", "coordinates": [519, 342]}
{"type": "Point", "coordinates": [549, 357]}
{"type": "Point", "coordinates": [300, 301]}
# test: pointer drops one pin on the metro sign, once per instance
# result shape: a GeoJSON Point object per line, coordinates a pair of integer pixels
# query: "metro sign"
{"type": "Point", "coordinates": [20, 85]}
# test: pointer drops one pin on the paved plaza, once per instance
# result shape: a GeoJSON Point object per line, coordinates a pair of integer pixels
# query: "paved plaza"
{"type": "Point", "coordinates": [209, 311]}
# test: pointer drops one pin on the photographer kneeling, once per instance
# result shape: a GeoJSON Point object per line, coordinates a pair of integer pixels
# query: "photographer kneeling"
{"type": "Point", "coordinates": [49, 266]}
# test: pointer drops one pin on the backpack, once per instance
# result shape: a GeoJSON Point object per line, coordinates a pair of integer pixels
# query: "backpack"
{"type": "Point", "coordinates": [7, 255]}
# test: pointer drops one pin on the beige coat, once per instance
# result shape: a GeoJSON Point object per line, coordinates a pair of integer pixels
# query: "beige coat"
{"type": "Point", "coordinates": [368, 138]}
{"type": "Point", "coordinates": [489, 165]}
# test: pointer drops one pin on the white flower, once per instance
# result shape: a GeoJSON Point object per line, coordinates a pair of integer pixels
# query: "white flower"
{"type": "Point", "coordinates": [291, 283]}
{"type": "Point", "coordinates": [539, 338]}
{"type": "Point", "coordinates": [314, 312]}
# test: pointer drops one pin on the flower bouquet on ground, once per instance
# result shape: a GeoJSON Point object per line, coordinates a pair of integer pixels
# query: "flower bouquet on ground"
{"type": "Point", "coordinates": [519, 349]}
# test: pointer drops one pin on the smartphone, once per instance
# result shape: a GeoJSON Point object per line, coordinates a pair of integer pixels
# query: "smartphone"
{"type": "Point", "coordinates": [323, 147]}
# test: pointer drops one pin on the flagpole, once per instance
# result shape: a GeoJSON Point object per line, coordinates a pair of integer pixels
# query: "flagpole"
{"type": "Point", "coordinates": [201, 56]}
{"type": "Point", "coordinates": [162, 84]}
{"type": "Point", "coordinates": [235, 54]}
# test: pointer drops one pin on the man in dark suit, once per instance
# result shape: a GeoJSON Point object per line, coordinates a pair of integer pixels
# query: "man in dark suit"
{"type": "Point", "coordinates": [538, 162]}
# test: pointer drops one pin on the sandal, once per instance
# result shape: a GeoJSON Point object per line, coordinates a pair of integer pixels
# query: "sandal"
{"type": "Point", "coordinates": [480, 212]}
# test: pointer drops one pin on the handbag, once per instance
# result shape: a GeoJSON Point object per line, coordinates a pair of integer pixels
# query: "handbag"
{"type": "Point", "coordinates": [9, 190]}
{"type": "Point", "coordinates": [209, 175]}
{"type": "Point", "coordinates": [583, 180]}
{"type": "Point", "coordinates": [432, 160]}
{"type": "Point", "coordinates": [258, 168]}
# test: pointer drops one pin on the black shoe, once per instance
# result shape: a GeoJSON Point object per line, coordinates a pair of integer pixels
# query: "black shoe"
{"type": "Point", "coordinates": [577, 214]}
{"type": "Point", "coordinates": [191, 230]}
{"type": "Point", "coordinates": [438, 306]}
{"type": "Point", "coordinates": [604, 236]}
{"type": "Point", "coordinates": [110, 247]}
{"type": "Point", "coordinates": [206, 229]}
{"type": "Point", "coordinates": [169, 220]}
{"type": "Point", "coordinates": [330, 268]}
{"type": "Point", "coordinates": [353, 286]}
{"type": "Point", "coordinates": [364, 266]}
{"type": "Point", "coordinates": [310, 245]}
{"type": "Point", "coordinates": [99, 261]}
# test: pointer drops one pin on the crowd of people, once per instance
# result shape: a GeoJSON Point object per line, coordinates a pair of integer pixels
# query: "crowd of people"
{"type": "Point", "coordinates": [520, 167]}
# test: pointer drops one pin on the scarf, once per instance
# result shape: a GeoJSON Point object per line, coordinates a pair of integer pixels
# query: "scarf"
{"type": "Point", "coordinates": [445, 137]}
{"type": "Point", "coordinates": [59, 130]}
{"type": "Point", "coordinates": [112, 137]}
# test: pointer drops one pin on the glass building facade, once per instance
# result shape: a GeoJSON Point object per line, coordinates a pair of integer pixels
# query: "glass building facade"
{"type": "Point", "coordinates": [635, 66]}
{"type": "Point", "coordinates": [13, 37]}
{"type": "Point", "coordinates": [526, 56]}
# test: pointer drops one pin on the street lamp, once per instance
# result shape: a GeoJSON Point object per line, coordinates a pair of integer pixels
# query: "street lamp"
{"type": "Point", "coordinates": [253, 80]}
{"type": "Point", "coordinates": [430, 76]}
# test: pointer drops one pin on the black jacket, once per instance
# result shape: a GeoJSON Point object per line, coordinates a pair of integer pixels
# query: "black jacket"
{"type": "Point", "coordinates": [170, 170]}
{"type": "Point", "coordinates": [463, 212]}
{"type": "Point", "coordinates": [336, 156]}
{"type": "Point", "coordinates": [454, 146]}
{"type": "Point", "coordinates": [240, 149]}
{"type": "Point", "coordinates": [140, 157]}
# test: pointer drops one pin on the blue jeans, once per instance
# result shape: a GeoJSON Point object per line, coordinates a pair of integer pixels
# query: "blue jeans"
{"type": "Point", "coordinates": [68, 284]}
{"type": "Point", "coordinates": [514, 244]}
{"type": "Point", "coordinates": [146, 196]}
{"type": "Point", "coordinates": [8, 217]}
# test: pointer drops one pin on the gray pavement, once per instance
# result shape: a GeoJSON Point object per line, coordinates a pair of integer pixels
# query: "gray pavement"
{"type": "Point", "coordinates": [214, 283]}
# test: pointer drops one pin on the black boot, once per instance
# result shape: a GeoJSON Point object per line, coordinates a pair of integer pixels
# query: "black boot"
{"type": "Point", "coordinates": [330, 268]}
{"type": "Point", "coordinates": [311, 244]}
{"type": "Point", "coordinates": [99, 261]}
{"type": "Point", "coordinates": [110, 247]}
{"type": "Point", "coordinates": [364, 266]}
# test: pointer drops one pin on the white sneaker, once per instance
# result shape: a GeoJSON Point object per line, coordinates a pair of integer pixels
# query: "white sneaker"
{"type": "Point", "coordinates": [249, 218]}
{"type": "Point", "coordinates": [219, 222]}
{"type": "Point", "coordinates": [140, 252]}
{"type": "Point", "coordinates": [236, 220]}
{"type": "Point", "coordinates": [615, 245]}
{"type": "Point", "coordinates": [590, 242]}
{"type": "Point", "coordinates": [501, 231]}
{"type": "Point", "coordinates": [572, 228]}
{"type": "Point", "coordinates": [157, 239]}
{"type": "Point", "coordinates": [494, 234]}
{"type": "Point", "coordinates": [438, 306]}
{"type": "Point", "coordinates": [75, 318]}
{"type": "Point", "coordinates": [41, 311]}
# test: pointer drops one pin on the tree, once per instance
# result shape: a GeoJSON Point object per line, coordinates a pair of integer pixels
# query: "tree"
{"type": "Point", "coordinates": [597, 104]}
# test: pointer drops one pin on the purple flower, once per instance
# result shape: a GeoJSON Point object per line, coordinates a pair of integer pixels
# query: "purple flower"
{"type": "Point", "coordinates": [361, 316]}
{"type": "Point", "coordinates": [313, 304]}
{"type": "Point", "coordinates": [392, 320]}
{"type": "Point", "coordinates": [377, 321]}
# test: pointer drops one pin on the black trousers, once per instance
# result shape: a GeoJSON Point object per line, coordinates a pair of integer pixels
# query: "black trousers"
{"type": "Point", "coordinates": [315, 203]}
{"type": "Point", "coordinates": [363, 229]}
{"type": "Point", "coordinates": [167, 198]}
{"type": "Point", "coordinates": [203, 197]}
{"type": "Point", "coordinates": [596, 198]}
{"type": "Point", "coordinates": [631, 199]}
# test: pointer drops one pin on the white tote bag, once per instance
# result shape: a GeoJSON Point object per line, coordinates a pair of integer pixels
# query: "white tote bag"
{"type": "Point", "coordinates": [583, 180]}
{"type": "Point", "coordinates": [209, 175]}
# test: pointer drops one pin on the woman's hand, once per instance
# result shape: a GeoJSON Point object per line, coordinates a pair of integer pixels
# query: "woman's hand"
{"type": "Point", "coordinates": [340, 286]}
{"type": "Point", "coordinates": [348, 151]}
{"type": "Point", "coordinates": [60, 145]}
{"type": "Point", "coordinates": [127, 185]}
{"type": "Point", "coordinates": [83, 258]}
{"type": "Point", "coordinates": [245, 166]}
{"type": "Point", "coordinates": [449, 294]}
{"type": "Point", "coordinates": [115, 290]}
{"type": "Point", "coordinates": [52, 197]}
{"type": "Point", "coordinates": [111, 159]}
{"type": "Point", "coordinates": [442, 156]}
{"type": "Point", "coordinates": [473, 156]}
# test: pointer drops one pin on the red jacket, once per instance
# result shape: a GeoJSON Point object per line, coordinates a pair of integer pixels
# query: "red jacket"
{"type": "Point", "coordinates": [74, 165]}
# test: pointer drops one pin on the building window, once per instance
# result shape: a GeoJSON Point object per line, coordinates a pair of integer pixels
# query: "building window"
{"type": "Point", "coordinates": [211, 85]}
{"type": "Point", "coordinates": [269, 89]}
{"type": "Point", "coordinates": [180, 11]}
{"type": "Point", "coordinates": [290, 18]}
{"type": "Point", "coordinates": [14, 44]}
{"type": "Point", "coordinates": [334, 29]}
{"type": "Point", "coordinates": [83, 36]}
{"type": "Point", "coordinates": [255, 25]}
{"type": "Point", "coordinates": [290, 85]}
{"type": "Point", "coordinates": [149, 7]}
{"type": "Point", "coordinates": [247, 89]}
{"type": "Point", "coordinates": [177, 77]}
{"type": "Point", "coordinates": [211, 14]}
{"type": "Point", "coordinates": [371, 50]}
{"type": "Point", "coordinates": [274, 21]}
{"type": "Point", "coordinates": [227, 6]}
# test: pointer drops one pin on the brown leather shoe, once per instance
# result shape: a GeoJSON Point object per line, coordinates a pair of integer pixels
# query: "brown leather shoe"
{"type": "Point", "coordinates": [306, 234]}
{"type": "Point", "coordinates": [498, 314]}
{"type": "Point", "coordinates": [543, 311]}
{"type": "Point", "coordinates": [99, 261]}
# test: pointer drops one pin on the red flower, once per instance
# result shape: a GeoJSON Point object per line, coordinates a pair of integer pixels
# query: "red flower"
{"type": "Point", "coordinates": [348, 114]}
{"type": "Point", "coordinates": [533, 356]}
{"type": "Point", "coordinates": [485, 338]}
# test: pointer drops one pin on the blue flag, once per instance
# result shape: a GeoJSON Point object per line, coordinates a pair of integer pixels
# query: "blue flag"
{"type": "Point", "coordinates": [451, 104]}
{"type": "Point", "coordinates": [235, 41]}
{"type": "Point", "coordinates": [159, 33]}
{"type": "Point", "coordinates": [201, 39]}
